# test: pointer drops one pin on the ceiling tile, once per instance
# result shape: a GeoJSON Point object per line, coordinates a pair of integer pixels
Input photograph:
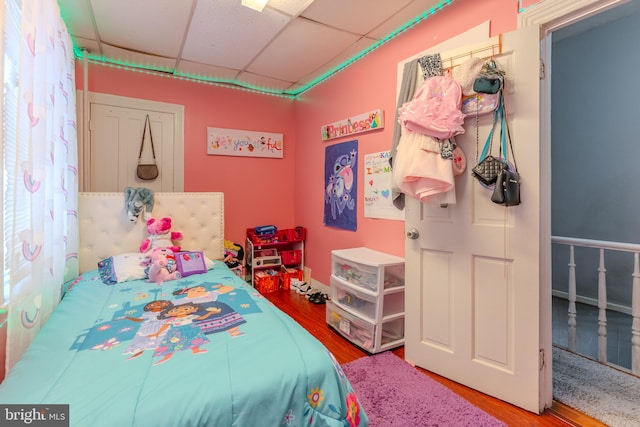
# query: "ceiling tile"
{"type": "Point", "coordinates": [290, 7]}
{"type": "Point", "coordinates": [353, 50]}
{"type": "Point", "coordinates": [368, 14]}
{"type": "Point", "coordinates": [302, 47]}
{"type": "Point", "coordinates": [77, 17]}
{"type": "Point", "coordinates": [138, 60]}
{"type": "Point", "coordinates": [152, 26]}
{"type": "Point", "coordinates": [257, 81]}
{"type": "Point", "coordinates": [230, 35]}
{"type": "Point", "coordinates": [400, 19]}
{"type": "Point", "coordinates": [197, 70]}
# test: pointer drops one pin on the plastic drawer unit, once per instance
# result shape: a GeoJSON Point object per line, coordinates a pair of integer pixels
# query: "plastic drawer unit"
{"type": "Point", "coordinates": [367, 294]}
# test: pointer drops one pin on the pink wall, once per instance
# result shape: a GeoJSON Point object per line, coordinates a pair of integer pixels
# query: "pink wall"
{"type": "Point", "coordinates": [366, 85]}
{"type": "Point", "coordinates": [257, 190]}
{"type": "Point", "coordinates": [289, 192]}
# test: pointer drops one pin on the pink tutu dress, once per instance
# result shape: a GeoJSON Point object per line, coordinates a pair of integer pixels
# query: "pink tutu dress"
{"type": "Point", "coordinates": [434, 109]}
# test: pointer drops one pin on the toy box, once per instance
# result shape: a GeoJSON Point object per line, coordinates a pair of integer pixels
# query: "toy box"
{"type": "Point", "coordinates": [291, 257]}
{"type": "Point", "coordinates": [286, 274]}
{"type": "Point", "coordinates": [266, 281]}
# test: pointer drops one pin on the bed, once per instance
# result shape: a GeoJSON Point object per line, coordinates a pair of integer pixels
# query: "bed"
{"type": "Point", "coordinates": [201, 350]}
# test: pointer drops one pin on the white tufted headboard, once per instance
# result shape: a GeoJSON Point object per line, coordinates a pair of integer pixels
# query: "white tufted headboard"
{"type": "Point", "coordinates": [105, 229]}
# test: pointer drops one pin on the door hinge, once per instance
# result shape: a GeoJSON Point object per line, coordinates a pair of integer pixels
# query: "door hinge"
{"type": "Point", "coordinates": [541, 362]}
{"type": "Point", "coordinates": [542, 75]}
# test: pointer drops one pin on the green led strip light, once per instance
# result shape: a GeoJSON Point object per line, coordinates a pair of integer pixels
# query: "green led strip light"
{"type": "Point", "coordinates": [101, 60]}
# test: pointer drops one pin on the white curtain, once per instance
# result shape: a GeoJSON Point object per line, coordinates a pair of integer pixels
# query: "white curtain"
{"type": "Point", "coordinates": [40, 179]}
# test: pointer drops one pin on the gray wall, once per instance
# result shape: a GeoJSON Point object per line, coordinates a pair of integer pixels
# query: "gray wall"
{"type": "Point", "coordinates": [595, 112]}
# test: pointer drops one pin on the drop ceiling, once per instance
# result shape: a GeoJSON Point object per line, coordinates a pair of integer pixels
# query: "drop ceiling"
{"type": "Point", "coordinates": [287, 48]}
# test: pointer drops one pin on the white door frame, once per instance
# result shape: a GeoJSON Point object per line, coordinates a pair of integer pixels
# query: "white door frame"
{"type": "Point", "coordinates": [176, 110]}
{"type": "Point", "coordinates": [552, 15]}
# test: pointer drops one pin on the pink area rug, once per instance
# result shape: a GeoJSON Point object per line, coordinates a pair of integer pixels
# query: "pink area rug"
{"type": "Point", "coordinates": [394, 393]}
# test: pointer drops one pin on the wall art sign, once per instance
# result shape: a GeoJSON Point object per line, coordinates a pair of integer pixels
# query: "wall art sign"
{"type": "Point", "coordinates": [246, 143]}
{"type": "Point", "coordinates": [378, 202]}
{"type": "Point", "coordinates": [364, 122]}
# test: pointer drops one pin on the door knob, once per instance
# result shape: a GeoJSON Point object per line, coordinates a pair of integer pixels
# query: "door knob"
{"type": "Point", "coordinates": [413, 234]}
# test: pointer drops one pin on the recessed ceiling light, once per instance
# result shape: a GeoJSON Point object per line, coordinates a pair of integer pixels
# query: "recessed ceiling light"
{"type": "Point", "coordinates": [255, 4]}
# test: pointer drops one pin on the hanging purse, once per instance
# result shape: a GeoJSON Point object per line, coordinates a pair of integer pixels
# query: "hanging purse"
{"type": "Point", "coordinates": [490, 79]}
{"type": "Point", "coordinates": [147, 171]}
{"type": "Point", "coordinates": [486, 170]}
{"type": "Point", "coordinates": [507, 189]}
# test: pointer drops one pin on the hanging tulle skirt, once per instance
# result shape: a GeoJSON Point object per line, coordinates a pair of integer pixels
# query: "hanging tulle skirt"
{"type": "Point", "coordinates": [420, 173]}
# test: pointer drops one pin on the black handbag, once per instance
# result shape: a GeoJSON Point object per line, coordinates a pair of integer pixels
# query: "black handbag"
{"type": "Point", "coordinates": [490, 79]}
{"type": "Point", "coordinates": [486, 170]}
{"type": "Point", "coordinates": [147, 171]}
{"type": "Point", "coordinates": [507, 189]}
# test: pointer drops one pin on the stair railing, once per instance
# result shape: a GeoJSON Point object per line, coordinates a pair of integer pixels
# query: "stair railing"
{"type": "Point", "coordinates": [602, 303]}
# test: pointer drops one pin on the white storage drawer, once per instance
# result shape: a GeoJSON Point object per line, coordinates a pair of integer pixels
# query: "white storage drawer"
{"type": "Point", "coordinates": [393, 276]}
{"type": "Point", "coordinates": [363, 303]}
{"type": "Point", "coordinates": [353, 298]}
{"type": "Point", "coordinates": [356, 330]}
{"type": "Point", "coordinates": [392, 332]}
{"type": "Point", "coordinates": [359, 274]}
{"type": "Point", "coordinates": [369, 269]}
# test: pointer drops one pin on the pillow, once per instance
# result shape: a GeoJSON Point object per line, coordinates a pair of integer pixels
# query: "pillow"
{"type": "Point", "coordinates": [191, 262]}
{"type": "Point", "coordinates": [127, 266]}
{"type": "Point", "coordinates": [122, 268]}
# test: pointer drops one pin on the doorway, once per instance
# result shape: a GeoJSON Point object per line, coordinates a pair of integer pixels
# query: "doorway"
{"type": "Point", "coordinates": [559, 25]}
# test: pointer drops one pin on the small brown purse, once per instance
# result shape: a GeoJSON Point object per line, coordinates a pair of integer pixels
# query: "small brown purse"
{"type": "Point", "coordinates": [147, 171]}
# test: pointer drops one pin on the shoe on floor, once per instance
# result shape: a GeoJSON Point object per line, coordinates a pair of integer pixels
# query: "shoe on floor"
{"type": "Point", "coordinates": [318, 298]}
{"type": "Point", "coordinates": [304, 289]}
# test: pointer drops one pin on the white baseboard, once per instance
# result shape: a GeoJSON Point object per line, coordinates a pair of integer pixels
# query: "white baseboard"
{"type": "Point", "coordinates": [594, 302]}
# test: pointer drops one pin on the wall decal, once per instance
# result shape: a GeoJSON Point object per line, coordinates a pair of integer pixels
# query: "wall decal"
{"type": "Point", "coordinates": [246, 143]}
{"type": "Point", "coordinates": [357, 124]}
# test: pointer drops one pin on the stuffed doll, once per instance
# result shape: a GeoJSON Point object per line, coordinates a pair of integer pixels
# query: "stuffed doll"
{"type": "Point", "coordinates": [136, 200]}
{"type": "Point", "coordinates": [160, 235]}
{"type": "Point", "coordinates": [162, 266]}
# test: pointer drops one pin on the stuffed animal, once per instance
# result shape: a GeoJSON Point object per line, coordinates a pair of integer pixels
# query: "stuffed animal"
{"type": "Point", "coordinates": [162, 266]}
{"type": "Point", "coordinates": [136, 200]}
{"type": "Point", "coordinates": [160, 235]}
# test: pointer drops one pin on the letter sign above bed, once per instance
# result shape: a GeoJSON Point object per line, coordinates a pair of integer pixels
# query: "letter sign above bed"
{"type": "Point", "coordinates": [246, 143]}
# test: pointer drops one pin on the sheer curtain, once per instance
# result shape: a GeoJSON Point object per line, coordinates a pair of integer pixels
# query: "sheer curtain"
{"type": "Point", "coordinates": [40, 177]}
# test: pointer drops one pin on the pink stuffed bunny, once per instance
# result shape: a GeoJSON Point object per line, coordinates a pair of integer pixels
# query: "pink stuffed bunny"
{"type": "Point", "coordinates": [162, 266]}
{"type": "Point", "coordinates": [160, 235]}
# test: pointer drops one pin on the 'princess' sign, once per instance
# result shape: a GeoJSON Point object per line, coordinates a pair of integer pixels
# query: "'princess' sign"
{"type": "Point", "coordinates": [353, 125]}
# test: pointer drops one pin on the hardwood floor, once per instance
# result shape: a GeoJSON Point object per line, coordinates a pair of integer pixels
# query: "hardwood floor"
{"type": "Point", "coordinates": [312, 318]}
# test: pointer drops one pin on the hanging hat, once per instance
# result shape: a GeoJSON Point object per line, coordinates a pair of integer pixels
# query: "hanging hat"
{"type": "Point", "coordinates": [466, 73]}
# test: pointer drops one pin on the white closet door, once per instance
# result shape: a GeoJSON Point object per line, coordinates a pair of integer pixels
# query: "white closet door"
{"type": "Point", "coordinates": [115, 136]}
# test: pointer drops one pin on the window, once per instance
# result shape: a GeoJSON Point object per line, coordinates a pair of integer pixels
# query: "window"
{"type": "Point", "coordinates": [10, 41]}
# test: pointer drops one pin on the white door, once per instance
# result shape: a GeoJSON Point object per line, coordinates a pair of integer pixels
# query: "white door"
{"type": "Point", "coordinates": [473, 278]}
{"type": "Point", "coordinates": [115, 136]}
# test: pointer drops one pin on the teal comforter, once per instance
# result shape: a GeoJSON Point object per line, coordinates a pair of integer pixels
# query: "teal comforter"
{"type": "Point", "coordinates": [205, 350]}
